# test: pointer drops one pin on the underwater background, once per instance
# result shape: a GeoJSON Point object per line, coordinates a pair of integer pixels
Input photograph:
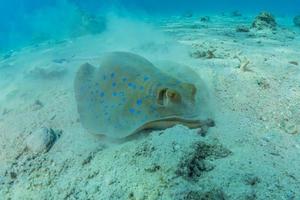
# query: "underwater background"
{"type": "Point", "coordinates": [235, 65]}
{"type": "Point", "coordinates": [24, 22]}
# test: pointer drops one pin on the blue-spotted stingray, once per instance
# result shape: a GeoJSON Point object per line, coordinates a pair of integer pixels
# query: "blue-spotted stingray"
{"type": "Point", "coordinates": [127, 94]}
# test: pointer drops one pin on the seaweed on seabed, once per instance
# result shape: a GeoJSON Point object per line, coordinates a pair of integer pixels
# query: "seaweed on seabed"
{"type": "Point", "coordinates": [195, 164]}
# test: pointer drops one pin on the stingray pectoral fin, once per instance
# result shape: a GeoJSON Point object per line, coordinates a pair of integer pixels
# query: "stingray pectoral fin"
{"type": "Point", "coordinates": [170, 122]}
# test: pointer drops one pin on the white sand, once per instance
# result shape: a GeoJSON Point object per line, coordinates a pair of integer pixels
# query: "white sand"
{"type": "Point", "coordinates": [253, 152]}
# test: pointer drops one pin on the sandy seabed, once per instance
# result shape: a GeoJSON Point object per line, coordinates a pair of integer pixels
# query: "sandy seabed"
{"type": "Point", "coordinates": [253, 152]}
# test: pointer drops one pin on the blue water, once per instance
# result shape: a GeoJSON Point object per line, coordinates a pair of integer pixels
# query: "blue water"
{"type": "Point", "coordinates": [26, 22]}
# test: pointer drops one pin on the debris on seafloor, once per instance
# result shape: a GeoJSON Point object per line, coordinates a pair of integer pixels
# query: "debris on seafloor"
{"type": "Point", "coordinates": [243, 64]}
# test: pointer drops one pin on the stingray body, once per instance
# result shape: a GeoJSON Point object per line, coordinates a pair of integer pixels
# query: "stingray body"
{"type": "Point", "coordinates": [127, 94]}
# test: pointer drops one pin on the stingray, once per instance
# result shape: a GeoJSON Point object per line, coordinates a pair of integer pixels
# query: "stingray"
{"type": "Point", "coordinates": [127, 94]}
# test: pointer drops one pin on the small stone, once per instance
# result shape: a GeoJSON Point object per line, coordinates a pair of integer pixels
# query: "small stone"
{"type": "Point", "coordinates": [294, 62]}
{"type": "Point", "coordinates": [41, 140]}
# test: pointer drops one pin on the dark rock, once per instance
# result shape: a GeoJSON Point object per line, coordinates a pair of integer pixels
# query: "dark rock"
{"type": "Point", "coordinates": [205, 19]}
{"type": "Point", "coordinates": [236, 13]}
{"type": "Point", "coordinates": [296, 20]}
{"type": "Point", "coordinates": [42, 140]}
{"type": "Point", "coordinates": [264, 20]}
{"type": "Point", "coordinates": [242, 29]}
{"type": "Point", "coordinates": [13, 175]}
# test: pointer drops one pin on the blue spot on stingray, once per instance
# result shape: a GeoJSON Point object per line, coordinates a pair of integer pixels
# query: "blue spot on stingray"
{"type": "Point", "coordinates": [131, 85]}
{"type": "Point", "coordinates": [139, 102]}
{"type": "Point", "coordinates": [112, 75]}
{"type": "Point", "coordinates": [124, 79]}
{"type": "Point", "coordinates": [141, 88]}
{"type": "Point", "coordinates": [146, 78]}
{"type": "Point", "coordinates": [101, 94]}
{"type": "Point", "coordinates": [114, 84]}
{"type": "Point", "coordinates": [131, 110]}
{"type": "Point", "coordinates": [114, 94]}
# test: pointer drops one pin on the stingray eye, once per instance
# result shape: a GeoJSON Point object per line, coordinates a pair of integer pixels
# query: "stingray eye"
{"type": "Point", "coordinates": [173, 95]}
{"type": "Point", "coordinates": [161, 95]}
